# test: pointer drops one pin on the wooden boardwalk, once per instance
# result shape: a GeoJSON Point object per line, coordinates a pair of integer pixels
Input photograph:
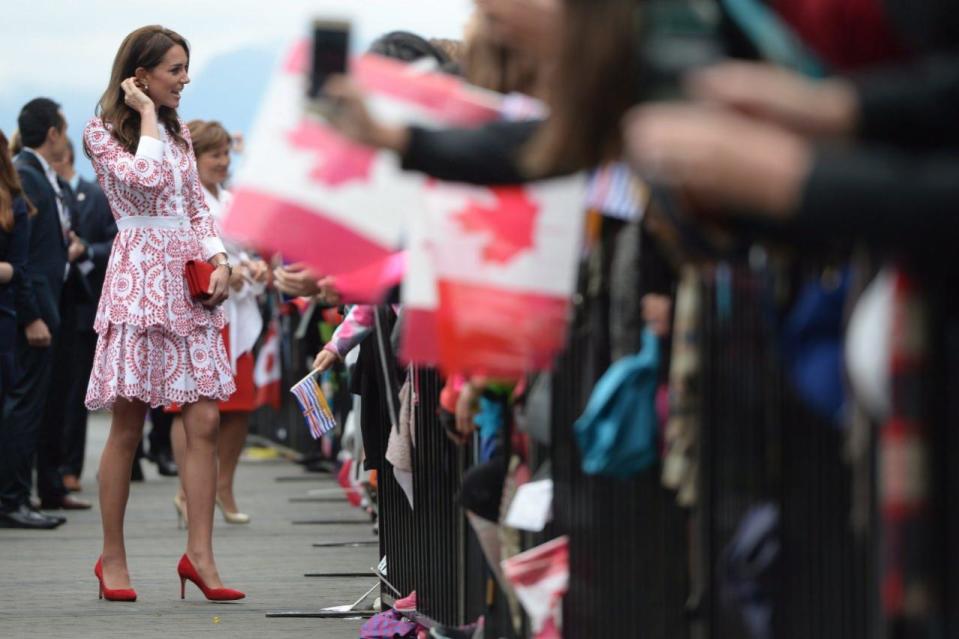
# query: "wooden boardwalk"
{"type": "Point", "coordinates": [47, 587]}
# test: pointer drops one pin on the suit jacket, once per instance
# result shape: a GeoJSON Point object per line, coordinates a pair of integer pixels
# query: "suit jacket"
{"type": "Point", "coordinates": [39, 290]}
{"type": "Point", "coordinates": [76, 288]}
{"type": "Point", "coordinates": [94, 224]}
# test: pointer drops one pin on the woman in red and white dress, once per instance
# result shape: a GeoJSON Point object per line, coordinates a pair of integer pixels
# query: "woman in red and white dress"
{"type": "Point", "coordinates": [156, 344]}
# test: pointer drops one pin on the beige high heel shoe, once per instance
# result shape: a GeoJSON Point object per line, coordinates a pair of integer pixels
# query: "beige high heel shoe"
{"type": "Point", "coordinates": [232, 518]}
{"type": "Point", "coordinates": [181, 519]}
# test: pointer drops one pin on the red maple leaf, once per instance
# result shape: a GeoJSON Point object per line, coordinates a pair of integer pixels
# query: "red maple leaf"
{"type": "Point", "coordinates": [509, 222]}
{"type": "Point", "coordinates": [339, 160]}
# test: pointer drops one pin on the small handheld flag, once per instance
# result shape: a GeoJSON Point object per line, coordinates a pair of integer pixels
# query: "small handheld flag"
{"type": "Point", "coordinates": [316, 410]}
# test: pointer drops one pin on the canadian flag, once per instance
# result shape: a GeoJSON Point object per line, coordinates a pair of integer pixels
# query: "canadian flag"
{"type": "Point", "coordinates": [267, 374]}
{"type": "Point", "coordinates": [491, 275]}
{"type": "Point", "coordinates": [540, 577]}
{"type": "Point", "coordinates": [347, 482]}
{"type": "Point", "coordinates": [309, 193]}
{"type": "Point", "coordinates": [488, 272]}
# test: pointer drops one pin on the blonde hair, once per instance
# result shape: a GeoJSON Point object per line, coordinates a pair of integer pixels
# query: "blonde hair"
{"type": "Point", "coordinates": [16, 144]}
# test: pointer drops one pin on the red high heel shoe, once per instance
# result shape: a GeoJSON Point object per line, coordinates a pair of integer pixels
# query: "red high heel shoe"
{"type": "Point", "coordinates": [112, 594]}
{"type": "Point", "coordinates": [186, 571]}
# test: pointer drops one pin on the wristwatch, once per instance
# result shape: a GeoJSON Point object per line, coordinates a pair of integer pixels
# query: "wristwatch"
{"type": "Point", "coordinates": [226, 263]}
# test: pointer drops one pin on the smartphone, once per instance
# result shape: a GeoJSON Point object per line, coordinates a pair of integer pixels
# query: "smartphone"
{"type": "Point", "coordinates": [331, 50]}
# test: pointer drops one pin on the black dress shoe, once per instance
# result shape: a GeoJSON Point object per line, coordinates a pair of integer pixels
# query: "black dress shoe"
{"type": "Point", "coordinates": [34, 505]}
{"type": "Point", "coordinates": [165, 464]}
{"type": "Point", "coordinates": [23, 517]}
{"type": "Point", "coordinates": [60, 519]}
{"type": "Point", "coordinates": [65, 502]}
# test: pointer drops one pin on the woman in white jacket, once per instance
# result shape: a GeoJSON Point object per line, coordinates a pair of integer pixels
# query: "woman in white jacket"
{"type": "Point", "coordinates": [212, 145]}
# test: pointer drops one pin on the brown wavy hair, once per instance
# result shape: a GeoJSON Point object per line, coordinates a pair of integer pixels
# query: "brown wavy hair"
{"type": "Point", "coordinates": [16, 144]}
{"type": "Point", "coordinates": [145, 48]}
{"type": "Point", "coordinates": [497, 66]}
{"type": "Point", "coordinates": [591, 91]}
{"type": "Point", "coordinates": [208, 135]}
{"type": "Point", "coordinates": [9, 186]}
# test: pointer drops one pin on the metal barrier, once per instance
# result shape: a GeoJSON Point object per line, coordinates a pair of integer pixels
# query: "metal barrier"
{"type": "Point", "coordinates": [430, 548]}
{"type": "Point", "coordinates": [759, 443]}
{"type": "Point", "coordinates": [441, 543]}
{"type": "Point", "coordinates": [632, 549]}
{"type": "Point", "coordinates": [425, 546]}
{"type": "Point", "coordinates": [627, 547]}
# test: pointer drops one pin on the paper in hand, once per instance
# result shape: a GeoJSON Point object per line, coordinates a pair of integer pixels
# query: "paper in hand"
{"type": "Point", "coordinates": [532, 506]}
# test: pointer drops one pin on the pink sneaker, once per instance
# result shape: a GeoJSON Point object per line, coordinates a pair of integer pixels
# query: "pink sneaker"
{"type": "Point", "coordinates": [406, 603]}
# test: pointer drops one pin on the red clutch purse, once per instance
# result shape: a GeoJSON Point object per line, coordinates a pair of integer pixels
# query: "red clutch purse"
{"type": "Point", "coordinates": [198, 278]}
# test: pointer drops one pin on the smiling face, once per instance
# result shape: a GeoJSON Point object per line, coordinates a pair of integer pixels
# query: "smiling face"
{"type": "Point", "coordinates": [214, 166]}
{"type": "Point", "coordinates": [166, 81]}
{"type": "Point", "coordinates": [58, 142]}
{"type": "Point", "coordinates": [62, 157]}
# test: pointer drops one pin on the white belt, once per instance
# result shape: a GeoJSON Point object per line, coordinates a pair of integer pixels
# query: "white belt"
{"type": "Point", "coordinates": [153, 222]}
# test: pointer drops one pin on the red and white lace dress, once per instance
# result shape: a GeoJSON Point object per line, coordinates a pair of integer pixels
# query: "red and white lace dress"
{"type": "Point", "coordinates": [155, 343]}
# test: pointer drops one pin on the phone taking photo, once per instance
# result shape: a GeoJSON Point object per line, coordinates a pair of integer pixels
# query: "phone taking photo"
{"type": "Point", "coordinates": [331, 50]}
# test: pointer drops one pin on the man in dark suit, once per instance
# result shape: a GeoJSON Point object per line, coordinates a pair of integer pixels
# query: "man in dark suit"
{"type": "Point", "coordinates": [75, 293]}
{"type": "Point", "coordinates": [93, 222]}
{"type": "Point", "coordinates": [43, 134]}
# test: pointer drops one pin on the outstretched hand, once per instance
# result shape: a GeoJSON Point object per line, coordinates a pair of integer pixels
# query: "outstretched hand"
{"type": "Point", "coordinates": [324, 360]}
{"type": "Point", "coordinates": [815, 108]}
{"type": "Point", "coordinates": [297, 280]}
{"type": "Point", "coordinates": [353, 120]}
{"type": "Point", "coordinates": [719, 156]}
{"type": "Point", "coordinates": [467, 404]}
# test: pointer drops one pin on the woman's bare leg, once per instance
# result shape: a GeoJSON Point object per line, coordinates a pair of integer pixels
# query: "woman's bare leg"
{"type": "Point", "coordinates": [233, 430]}
{"type": "Point", "coordinates": [178, 441]}
{"type": "Point", "coordinates": [198, 473]}
{"type": "Point", "coordinates": [116, 463]}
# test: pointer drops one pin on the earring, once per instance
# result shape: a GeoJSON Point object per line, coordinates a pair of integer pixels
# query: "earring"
{"type": "Point", "coordinates": [146, 87]}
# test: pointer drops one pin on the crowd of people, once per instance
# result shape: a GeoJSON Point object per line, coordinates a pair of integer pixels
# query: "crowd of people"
{"type": "Point", "coordinates": [710, 136]}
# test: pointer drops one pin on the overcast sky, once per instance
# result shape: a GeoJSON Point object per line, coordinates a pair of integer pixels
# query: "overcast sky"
{"type": "Point", "coordinates": [65, 48]}
{"type": "Point", "coordinates": [72, 43]}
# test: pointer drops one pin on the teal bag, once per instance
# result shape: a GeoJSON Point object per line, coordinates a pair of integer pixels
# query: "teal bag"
{"type": "Point", "coordinates": [617, 433]}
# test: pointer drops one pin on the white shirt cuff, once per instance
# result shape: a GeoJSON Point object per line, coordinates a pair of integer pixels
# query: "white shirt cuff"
{"type": "Point", "coordinates": [212, 246]}
{"type": "Point", "coordinates": [150, 148]}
